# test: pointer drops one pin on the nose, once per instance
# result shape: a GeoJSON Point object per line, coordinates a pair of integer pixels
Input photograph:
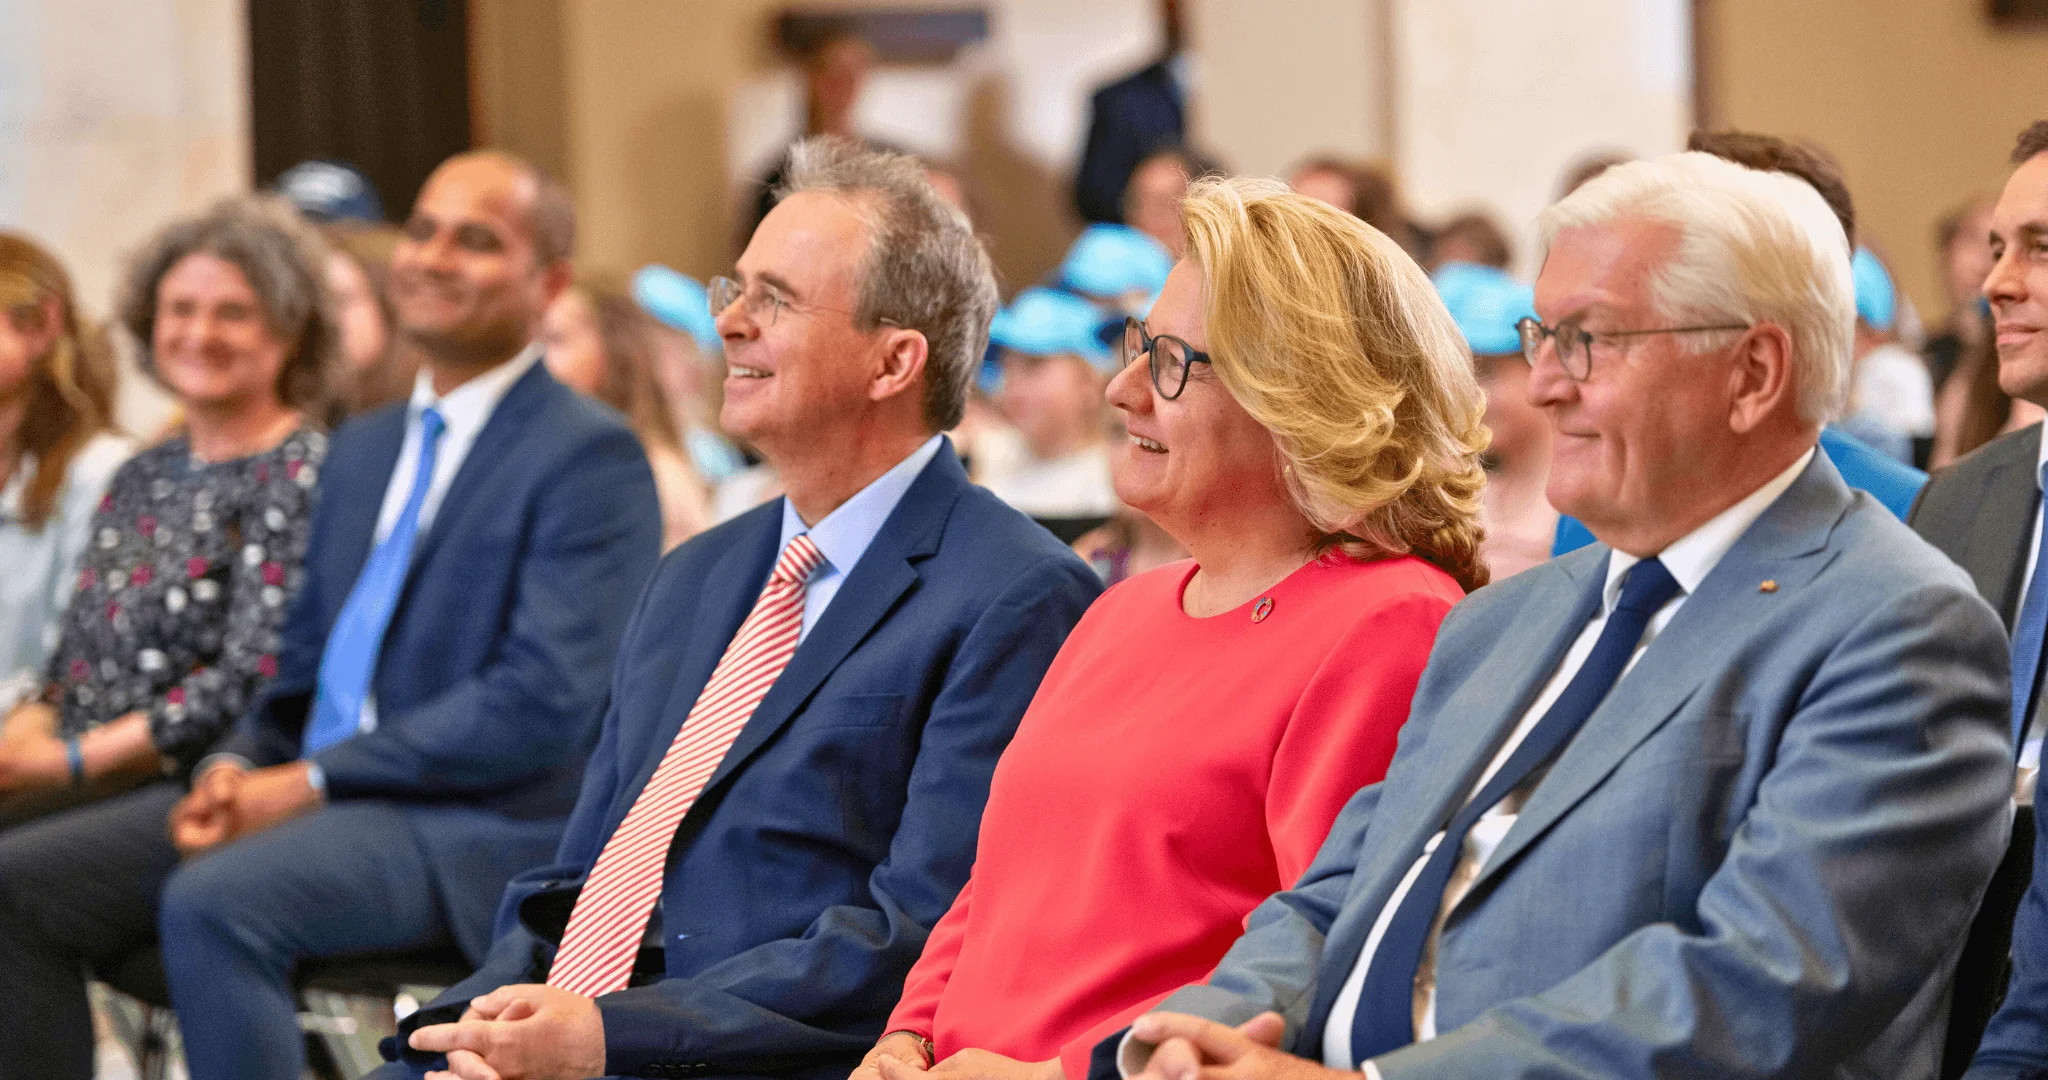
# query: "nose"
{"type": "Point", "coordinates": [1131, 389]}
{"type": "Point", "coordinates": [734, 323]}
{"type": "Point", "coordinates": [1548, 384]}
{"type": "Point", "coordinates": [2007, 282]}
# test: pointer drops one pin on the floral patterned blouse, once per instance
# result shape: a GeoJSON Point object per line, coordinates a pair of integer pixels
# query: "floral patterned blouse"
{"type": "Point", "coordinates": [182, 591]}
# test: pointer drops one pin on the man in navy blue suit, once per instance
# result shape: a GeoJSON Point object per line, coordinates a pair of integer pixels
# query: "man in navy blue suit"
{"type": "Point", "coordinates": [742, 893]}
{"type": "Point", "coordinates": [474, 557]}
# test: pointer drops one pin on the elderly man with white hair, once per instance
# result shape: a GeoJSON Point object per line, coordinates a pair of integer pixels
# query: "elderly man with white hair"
{"type": "Point", "coordinates": [1715, 796]}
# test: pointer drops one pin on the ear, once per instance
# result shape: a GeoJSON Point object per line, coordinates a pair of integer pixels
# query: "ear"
{"type": "Point", "coordinates": [902, 355]}
{"type": "Point", "coordinates": [1760, 378]}
{"type": "Point", "coordinates": [555, 279]}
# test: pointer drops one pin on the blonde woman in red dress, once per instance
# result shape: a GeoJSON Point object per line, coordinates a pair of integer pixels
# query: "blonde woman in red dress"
{"type": "Point", "coordinates": [1304, 419]}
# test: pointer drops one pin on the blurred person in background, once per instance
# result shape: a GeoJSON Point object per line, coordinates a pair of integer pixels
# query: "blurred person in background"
{"type": "Point", "coordinates": [1891, 395]}
{"type": "Point", "coordinates": [686, 364]}
{"type": "Point", "coordinates": [475, 557]}
{"type": "Point", "coordinates": [1986, 513]}
{"type": "Point", "coordinates": [1473, 237]}
{"type": "Point", "coordinates": [1488, 307]}
{"type": "Point", "coordinates": [599, 342]}
{"type": "Point", "coordinates": [1363, 189]}
{"type": "Point", "coordinates": [1963, 246]}
{"type": "Point", "coordinates": [1117, 267]}
{"type": "Point", "coordinates": [377, 364]}
{"type": "Point", "coordinates": [58, 451]}
{"type": "Point", "coordinates": [195, 555]}
{"type": "Point", "coordinates": [1129, 118]}
{"type": "Point", "coordinates": [835, 71]}
{"type": "Point", "coordinates": [331, 193]}
{"type": "Point", "coordinates": [1305, 420]}
{"type": "Point", "coordinates": [1054, 367]}
{"type": "Point", "coordinates": [1158, 183]}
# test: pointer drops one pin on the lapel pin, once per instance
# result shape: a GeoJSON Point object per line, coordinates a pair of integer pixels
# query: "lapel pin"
{"type": "Point", "coordinates": [1264, 609]}
{"type": "Point", "coordinates": [1769, 585]}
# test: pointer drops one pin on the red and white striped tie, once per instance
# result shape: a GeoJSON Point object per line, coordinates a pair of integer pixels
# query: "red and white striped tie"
{"type": "Point", "coordinates": [610, 917]}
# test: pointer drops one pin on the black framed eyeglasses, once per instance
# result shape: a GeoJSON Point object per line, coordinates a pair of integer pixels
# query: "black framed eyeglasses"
{"type": "Point", "coordinates": [1574, 343]}
{"type": "Point", "coordinates": [1167, 357]}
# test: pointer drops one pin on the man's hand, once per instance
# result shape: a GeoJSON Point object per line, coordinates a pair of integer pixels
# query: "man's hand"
{"type": "Point", "coordinates": [899, 1046]}
{"type": "Point", "coordinates": [270, 797]}
{"type": "Point", "coordinates": [524, 1032]}
{"type": "Point", "coordinates": [971, 1065]}
{"type": "Point", "coordinates": [1191, 1048]}
{"type": "Point", "coordinates": [205, 818]}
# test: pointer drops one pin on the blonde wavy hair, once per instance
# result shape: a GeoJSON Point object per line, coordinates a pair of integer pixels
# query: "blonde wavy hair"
{"type": "Point", "coordinates": [1330, 336]}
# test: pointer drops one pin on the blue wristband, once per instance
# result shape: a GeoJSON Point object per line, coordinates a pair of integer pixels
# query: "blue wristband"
{"type": "Point", "coordinates": [76, 757]}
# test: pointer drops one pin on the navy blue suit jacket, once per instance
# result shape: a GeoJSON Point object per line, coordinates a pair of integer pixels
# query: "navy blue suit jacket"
{"type": "Point", "coordinates": [1129, 119]}
{"type": "Point", "coordinates": [491, 678]}
{"type": "Point", "coordinates": [802, 884]}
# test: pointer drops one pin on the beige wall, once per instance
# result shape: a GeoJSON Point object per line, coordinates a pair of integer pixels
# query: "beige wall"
{"type": "Point", "coordinates": [110, 127]}
{"type": "Point", "coordinates": [1920, 99]}
{"type": "Point", "coordinates": [1276, 90]}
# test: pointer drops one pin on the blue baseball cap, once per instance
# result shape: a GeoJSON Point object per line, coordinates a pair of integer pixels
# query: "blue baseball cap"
{"type": "Point", "coordinates": [1042, 322]}
{"type": "Point", "coordinates": [678, 301]}
{"type": "Point", "coordinates": [331, 191]}
{"type": "Point", "coordinates": [1113, 260]}
{"type": "Point", "coordinates": [1486, 304]}
{"type": "Point", "coordinates": [1876, 300]}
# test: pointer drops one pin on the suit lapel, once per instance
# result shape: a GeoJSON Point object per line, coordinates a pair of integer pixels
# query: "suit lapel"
{"type": "Point", "coordinates": [498, 441]}
{"type": "Point", "coordinates": [885, 573]}
{"type": "Point", "coordinates": [2003, 524]}
{"type": "Point", "coordinates": [1788, 545]}
{"type": "Point", "coordinates": [1472, 723]}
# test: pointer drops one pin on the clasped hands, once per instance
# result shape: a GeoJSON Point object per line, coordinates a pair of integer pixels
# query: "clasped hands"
{"type": "Point", "coordinates": [229, 801]}
{"type": "Point", "coordinates": [1187, 1048]}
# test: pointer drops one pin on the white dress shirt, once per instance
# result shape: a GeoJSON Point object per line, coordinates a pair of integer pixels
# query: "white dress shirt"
{"type": "Point", "coordinates": [845, 534]}
{"type": "Point", "coordinates": [1689, 559]}
{"type": "Point", "coordinates": [464, 412]}
{"type": "Point", "coordinates": [2030, 747]}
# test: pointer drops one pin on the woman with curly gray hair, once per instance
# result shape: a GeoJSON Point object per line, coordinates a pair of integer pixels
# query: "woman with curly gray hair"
{"type": "Point", "coordinates": [191, 559]}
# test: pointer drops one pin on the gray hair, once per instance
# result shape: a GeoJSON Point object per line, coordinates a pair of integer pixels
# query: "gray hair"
{"type": "Point", "coordinates": [285, 263]}
{"type": "Point", "coordinates": [1754, 247]}
{"type": "Point", "coordinates": [924, 269]}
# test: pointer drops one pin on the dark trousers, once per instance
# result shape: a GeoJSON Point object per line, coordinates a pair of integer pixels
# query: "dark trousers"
{"type": "Point", "coordinates": [348, 878]}
{"type": "Point", "coordinates": [78, 889]}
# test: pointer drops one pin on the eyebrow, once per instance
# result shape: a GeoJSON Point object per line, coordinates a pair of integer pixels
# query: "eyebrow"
{"type": "Point", "coordinates": [770, 277]}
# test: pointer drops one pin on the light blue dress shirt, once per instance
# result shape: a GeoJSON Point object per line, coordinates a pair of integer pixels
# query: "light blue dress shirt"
{"type": "Point", "coordinates": [844, 535]}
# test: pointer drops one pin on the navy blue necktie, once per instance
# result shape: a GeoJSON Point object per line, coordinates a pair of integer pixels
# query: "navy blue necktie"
{"type": "Point", "coordinates": [2028, 632]}
{"type": "Point", "coordinates": [350, 658]}
{"type": "Point", "coordinates": [1386, 1005]}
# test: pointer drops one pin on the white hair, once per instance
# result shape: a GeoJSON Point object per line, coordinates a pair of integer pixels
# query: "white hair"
{"type": "Point", "coordinates": [1754, 247]}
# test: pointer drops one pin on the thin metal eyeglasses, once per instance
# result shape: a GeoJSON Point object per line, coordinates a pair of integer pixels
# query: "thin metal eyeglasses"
{"type": "Point", "coordinates": [1574, 343]}
{"type": "Point", "coordinates": [1168, 358]}
{"type": "Point", "coordinates": [766, 303]}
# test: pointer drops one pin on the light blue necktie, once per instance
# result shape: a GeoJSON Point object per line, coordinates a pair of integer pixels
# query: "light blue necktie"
{"type": "Point", "coordinates": [2027, 634]}
{"type": "Point", "coordinates": [351, 656]}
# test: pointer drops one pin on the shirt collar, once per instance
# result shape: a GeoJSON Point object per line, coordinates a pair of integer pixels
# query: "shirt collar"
{"type": "Point", "coordinates": [2041, 461]}
{"type": "Point", "coordinates": [469, 405]}
{"type": "Point", "coordinates": [844, 535]}
{"type": "Point", "coordinates": [1691, 557]}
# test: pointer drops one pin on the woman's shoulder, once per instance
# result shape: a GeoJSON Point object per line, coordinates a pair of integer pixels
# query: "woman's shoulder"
{"type": "Point", "coordinates": [1366, 586]}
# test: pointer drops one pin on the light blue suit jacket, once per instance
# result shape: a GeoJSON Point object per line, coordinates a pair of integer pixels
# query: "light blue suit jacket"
{"type": "Point", "coordinates": [1758, 858]}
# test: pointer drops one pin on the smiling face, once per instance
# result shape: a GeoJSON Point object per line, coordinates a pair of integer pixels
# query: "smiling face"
{"type": "Point", "coordinates": [798, 373]}
{"type": "Point", "coordinates": [1638, 441]}
{"type": "Point", "coordinates": [465, 280]}
{"type": "Point", "coordinates": [211, 344]}
{"type": "Point", "coordinates": [2018, 285]}
{"type": "Point", "coordinates": [1200, 460]}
